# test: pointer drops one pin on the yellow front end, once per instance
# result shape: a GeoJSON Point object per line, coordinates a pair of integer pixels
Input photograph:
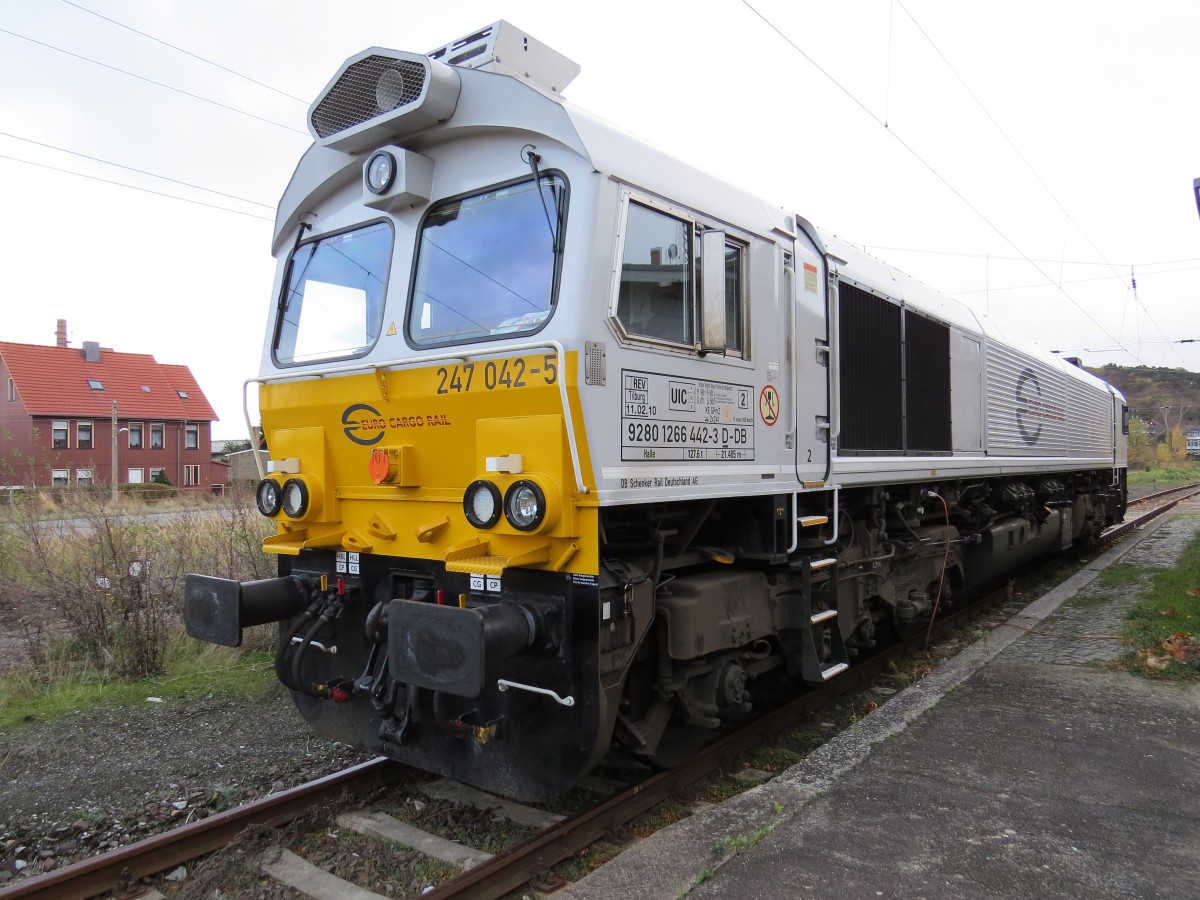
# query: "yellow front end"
{"type": "Point", "coordinates": [387, 470]}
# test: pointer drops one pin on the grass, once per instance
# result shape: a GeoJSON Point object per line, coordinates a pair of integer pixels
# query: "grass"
{"type": "Point", "coordinates": [66, 683]}
{"type": "Point", "coordinates": [1120, 575]}
{"type": "Point", "coordinates": [1161, 629]}
{"type": "Point", "coordinates": [1164, 477]}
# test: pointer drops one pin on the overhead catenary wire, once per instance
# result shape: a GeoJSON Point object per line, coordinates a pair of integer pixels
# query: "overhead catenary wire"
{"type": "Point", "coordinates": [936, 174]}
{"type": "Point", "coordinates": [148, 80]}
{"type": "Point", "coordinates": [179, 49]}
{"type": "Point", "coordinates": [1028, 164]}
{"type": "Point", "coordinates": [107, 162]}
{"type": "Point", "coordinates": [134, 187]}
{"type": "Point", "coordinates": [1070, 262]}
{"type": "Point", "coordinates": [1107, 278]}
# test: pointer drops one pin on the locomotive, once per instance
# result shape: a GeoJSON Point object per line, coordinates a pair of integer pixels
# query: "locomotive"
{"type": "Point", "coordinates": [571, 444]}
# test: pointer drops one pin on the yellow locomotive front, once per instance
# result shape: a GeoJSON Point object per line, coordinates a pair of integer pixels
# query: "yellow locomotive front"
{"type": "Point", "coordinates": [439, 591]}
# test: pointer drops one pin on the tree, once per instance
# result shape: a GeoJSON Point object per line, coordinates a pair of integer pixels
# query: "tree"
{"type": "Point", "coordinates": [1141, 454]}
{"type": "Point", "coordinates": [234, 447]}
{"type": "Point", "coordinates": [1176, 442]}
{"type": "Point", "coordinates": [160, 477]}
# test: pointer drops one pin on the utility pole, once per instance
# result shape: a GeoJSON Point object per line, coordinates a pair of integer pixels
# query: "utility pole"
{"type": "Point", "coordinates": [114, 451]}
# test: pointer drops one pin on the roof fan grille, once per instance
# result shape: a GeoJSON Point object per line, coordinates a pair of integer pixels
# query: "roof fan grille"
{"type": "Point", "coordinates": [368, 88]}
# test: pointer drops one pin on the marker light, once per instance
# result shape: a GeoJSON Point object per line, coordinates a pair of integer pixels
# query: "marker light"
{"type": "Point", "coordinates": [267, 497]}
{"type": "Point", "coordinates": [380, 171]}
{"type": "Point", "coordinates": [481, 503]}
{"type": "Point", "coordinates": [295, 498]}
{"type": "Point", "coordinates": [524, 506]}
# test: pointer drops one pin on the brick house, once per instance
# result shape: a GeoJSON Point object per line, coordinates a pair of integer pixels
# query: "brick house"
{"type": "Point", "coordinates": [58, 409]}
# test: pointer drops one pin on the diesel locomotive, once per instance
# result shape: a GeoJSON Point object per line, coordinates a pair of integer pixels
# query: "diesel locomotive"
{"type": "Point", "coordinates": [572, 444]}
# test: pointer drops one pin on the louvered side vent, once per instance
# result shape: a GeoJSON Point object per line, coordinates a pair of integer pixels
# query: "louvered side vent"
{"type": "Point", "coordinates": [368, 89]}
{"type": "Point", "coordinates": [380, 96]}
{"type": "Point", "coordinates": [593, 363]}
{"type": "Point", "coordinates": [926, 384]}
{"type": "Point", "coordinates": [872, 401]}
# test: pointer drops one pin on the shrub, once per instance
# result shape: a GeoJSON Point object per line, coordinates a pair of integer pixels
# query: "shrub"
{"type": "Point", "coordinates": [113, 580]}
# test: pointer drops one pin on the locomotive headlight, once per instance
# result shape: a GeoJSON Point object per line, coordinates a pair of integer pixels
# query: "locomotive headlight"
{"type": "Point", "coordinates": [380, 171]}
{"type": "Point", "coordinates": [295, 498]}
{"type": "Point", "coordinates": [481, 503]}
{"type": "Point", "coordinates": [267, 497]}
{"type": "Point", "coordinates": [524, 506]}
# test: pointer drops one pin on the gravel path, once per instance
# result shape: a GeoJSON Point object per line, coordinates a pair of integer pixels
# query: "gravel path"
{"type": "Point", "coordinates": [94, 780]}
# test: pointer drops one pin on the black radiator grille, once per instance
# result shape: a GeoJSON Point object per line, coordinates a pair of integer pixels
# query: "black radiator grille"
{"type": "Point", "coordinates": [927, 384]}
{"type": "Point", "coordinates": [895, 377]}
{"type": "Point", "coordinates": [869, 334]}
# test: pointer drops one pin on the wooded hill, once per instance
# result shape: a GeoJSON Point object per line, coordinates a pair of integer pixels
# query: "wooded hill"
{"type": "Point", "coordinates": [1148, 389]}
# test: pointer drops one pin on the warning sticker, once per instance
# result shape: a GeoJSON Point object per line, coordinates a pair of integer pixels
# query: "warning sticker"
{"type": "Point", "coordinates": [810, 278]}
{"type": "Point", "coordinates": [768, 405]}
{"type": "Point", "coordinates": [664, 417]}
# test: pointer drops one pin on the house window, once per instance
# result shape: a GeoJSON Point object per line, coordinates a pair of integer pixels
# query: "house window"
{"type": "Point", "coordinates": [191, 476]}
{"type": "Point", "coordinates": [191, 436]}
{"type": "Point", "coordinates": [156, 473]}
{"type": "Point", "coordinates": [135, 476]}
{"type": "Point", "coordinates": [135, 435]}
{"type": "Point", "coordinates": [83, 435]}
{"type": "Point", "coordinates": [156, 436]}
{"type": "Point", "coordinates": [83, 477]}
{"type": "Point", "coordinates": [12, 389]}
{"type": "Point", "coordinates": [60, 477]}
{"type": "Point", "coordinates": [62, 438]}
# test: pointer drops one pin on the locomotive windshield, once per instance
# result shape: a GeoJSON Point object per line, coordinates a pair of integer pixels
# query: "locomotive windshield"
{"type": "Point", "coordinates": [486, 264]}
{"type": "Point", "coordinates": [332, 304]}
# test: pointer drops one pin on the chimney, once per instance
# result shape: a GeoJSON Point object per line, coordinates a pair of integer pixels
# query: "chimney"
{"type": "Point", "coordinates": [60, 334]}
{"type": "Point", "coordinates": [91, 351]}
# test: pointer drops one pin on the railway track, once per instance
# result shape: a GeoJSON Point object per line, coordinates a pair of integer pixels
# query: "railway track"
{"type": "Point", "coordinates": [494, 876]}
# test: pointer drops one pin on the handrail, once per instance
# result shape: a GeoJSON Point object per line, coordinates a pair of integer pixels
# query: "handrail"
{"type": "Point", "coordinates": [463, 355]}
{"type": "Point", "coordinates": [837, 490]}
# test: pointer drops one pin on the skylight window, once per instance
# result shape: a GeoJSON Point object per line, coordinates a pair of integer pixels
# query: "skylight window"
{"type": "Point", "coordinates": [145, 388]}
{"type": "Point", "coordinates": [182, 395]}
{"type": "Point", "coordinates": [95, 385]}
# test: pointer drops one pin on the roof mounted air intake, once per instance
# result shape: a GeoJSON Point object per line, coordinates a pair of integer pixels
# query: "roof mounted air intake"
{"type": "Point", "coordinates": [380, 95]}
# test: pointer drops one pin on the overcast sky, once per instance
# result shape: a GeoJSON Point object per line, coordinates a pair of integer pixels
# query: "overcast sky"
{"type": "Point", "coordinates": [1025, 157]}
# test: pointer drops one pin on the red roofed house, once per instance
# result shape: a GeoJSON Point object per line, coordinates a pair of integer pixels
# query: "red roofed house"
{"type": "Point", "coordinates": [58, 408]}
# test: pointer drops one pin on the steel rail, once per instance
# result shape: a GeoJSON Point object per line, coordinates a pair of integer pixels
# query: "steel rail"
{"type": "Point", "coordinates": [1126, 527]}
{"type": "Point", "coordinates": [1160, 494]}
{"type": "Point", "coordinates": [507, 871]}
{"type": "Point", "coordinates": [161, 852]}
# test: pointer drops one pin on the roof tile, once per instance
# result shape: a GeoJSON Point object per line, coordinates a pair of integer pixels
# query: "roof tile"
{"type": "Point", "coordinates": [54, 381]}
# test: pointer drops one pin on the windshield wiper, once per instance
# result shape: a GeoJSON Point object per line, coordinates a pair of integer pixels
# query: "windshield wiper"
{"type": "Point", "coordinates": [529, 155]}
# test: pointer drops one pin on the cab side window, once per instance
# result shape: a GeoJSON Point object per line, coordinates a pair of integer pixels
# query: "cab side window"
{"type": "Point", "coordinates": [735, 265]}
{"type": "Point", "coordinates": [655, 299]}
